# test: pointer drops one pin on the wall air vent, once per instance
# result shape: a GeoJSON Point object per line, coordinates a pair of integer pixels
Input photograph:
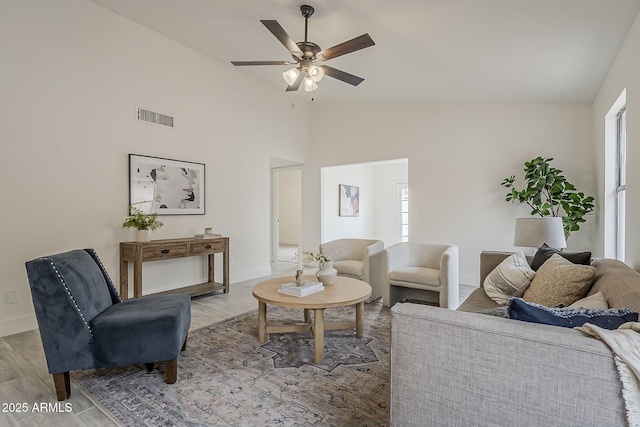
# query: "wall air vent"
{"type": "Point", "coordinates": [157, 118]}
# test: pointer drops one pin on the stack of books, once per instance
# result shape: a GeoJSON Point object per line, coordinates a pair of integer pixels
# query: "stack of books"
{"type": "Point", "coordinates": [208, 236]}
{"type": "Point", "coordinates": [308, 288]}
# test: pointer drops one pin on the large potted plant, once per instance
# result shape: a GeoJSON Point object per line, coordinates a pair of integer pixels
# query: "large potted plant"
{"type": "Point", "coordinates": [548, 193]}
{"type": "Point", "coordinates": [143, 223]}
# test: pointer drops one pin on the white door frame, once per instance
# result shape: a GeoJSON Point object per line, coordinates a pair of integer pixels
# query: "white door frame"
{"type": "Point", "coordinates": [275, 208]}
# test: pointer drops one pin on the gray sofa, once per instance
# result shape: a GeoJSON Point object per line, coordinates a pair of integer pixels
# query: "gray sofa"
{"type": "Point", "coordinates": [461, 368]}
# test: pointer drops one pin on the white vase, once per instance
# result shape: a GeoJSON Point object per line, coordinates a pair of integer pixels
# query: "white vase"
{"type": "Point", "coordinates": [326, 273]}
{"type": "Point", "coordinates": [143, 235]}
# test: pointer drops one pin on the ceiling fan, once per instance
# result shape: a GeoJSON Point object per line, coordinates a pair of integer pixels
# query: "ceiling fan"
{"type": "Point", "coordinates": [306, 53]}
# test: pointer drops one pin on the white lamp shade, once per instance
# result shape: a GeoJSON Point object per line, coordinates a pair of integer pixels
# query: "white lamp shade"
{"type": "Point", "coordinates": [309, 84]}
{"type": "Point", "coordinates": [533, 232]}
{"type": "Point", "coordinates": [316, 73]}
{"type": "Point", "coordinates": [290, 76]}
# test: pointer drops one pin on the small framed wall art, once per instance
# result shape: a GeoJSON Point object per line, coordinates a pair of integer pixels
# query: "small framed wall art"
{"type": "Point", "coordinates": [165, 186]}
{"type": "Point", "coordinates": [349, 200]}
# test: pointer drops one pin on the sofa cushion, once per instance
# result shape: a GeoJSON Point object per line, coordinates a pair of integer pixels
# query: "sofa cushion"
{"type": "Point", "coordinates": [478, 300]}
{"type": "Point", "coordinates": [349, 267]}
{"type": "Point", "coordinates": [568, 317]}
{"type": "Point", "coordinates": [619, 283]}
{"type": "Point", "coordinates": [151, 329]}
{"type": "Point", "coordinates": [559, 281]}
{"type": "Point", "coordinates": [545, 252]}
{"type": "Point", "coordinates": [422, 275]}
{"type": "Point", "coordinates": [509, 279]}
{"type": "Point", "coordinates": [596, 301]}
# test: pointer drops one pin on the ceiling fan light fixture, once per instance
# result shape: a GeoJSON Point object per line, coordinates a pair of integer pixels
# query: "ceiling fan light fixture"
{"type": "Point", "coordinates": [290, 76]}
{"type": "Point", "coordinates": [306, 52]}
{"type": "Point", "coordinates": [316, 73]}
{"type": "Point", "coordinates": [309, 84]}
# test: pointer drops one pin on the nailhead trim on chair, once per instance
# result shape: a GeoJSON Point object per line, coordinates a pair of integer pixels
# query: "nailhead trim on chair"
{"type": "Point", "coordinates": [104, 272]}
{"type": "Point", "coordinates": [66, 288]}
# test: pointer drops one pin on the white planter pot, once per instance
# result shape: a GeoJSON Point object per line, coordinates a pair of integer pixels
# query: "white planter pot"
{"type": "Point", "coordinates": [143, 235]}
{"type": "Point", "coordinates": [327, 274]}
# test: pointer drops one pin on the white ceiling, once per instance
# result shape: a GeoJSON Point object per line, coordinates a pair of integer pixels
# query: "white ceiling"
{"type": "Point", "coordinates": [434, 51]}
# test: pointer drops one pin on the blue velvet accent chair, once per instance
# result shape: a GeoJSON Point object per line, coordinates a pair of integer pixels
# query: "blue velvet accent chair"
{"type": "Point", "coordinates": [85, 324]}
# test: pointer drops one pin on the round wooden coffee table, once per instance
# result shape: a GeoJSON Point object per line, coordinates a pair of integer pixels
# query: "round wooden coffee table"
{"type": "Point", "coordinates": [345, 291]}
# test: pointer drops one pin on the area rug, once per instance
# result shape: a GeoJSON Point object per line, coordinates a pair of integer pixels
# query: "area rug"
{"type": "Point", "coordinates": [226, 378]}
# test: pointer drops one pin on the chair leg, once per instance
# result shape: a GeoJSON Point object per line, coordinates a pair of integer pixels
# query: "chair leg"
{"type": "Point", "coordinates": [184, 344]}
{"type": "Point", "coordinates": [62, 383]}
{"type": "Point", "coordinates": [171, 371]}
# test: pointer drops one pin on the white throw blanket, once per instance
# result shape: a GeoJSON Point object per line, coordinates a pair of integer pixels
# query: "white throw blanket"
{"type": "Point", "coordinates": [625, 344]}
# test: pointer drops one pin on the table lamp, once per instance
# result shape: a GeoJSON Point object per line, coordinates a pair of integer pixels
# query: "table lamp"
{"type": "Point", "coordinates": [533, 232]}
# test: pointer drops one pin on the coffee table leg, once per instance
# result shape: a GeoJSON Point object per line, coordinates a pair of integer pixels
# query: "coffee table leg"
{"type": "Point", "coordinates": [359, 319]}
{"type": "Point", "coordinates": [318, 335]}
{"type": "Point", "coordinates": [262, 322]}
{"type": "Point", "coordinates": [307, 316]}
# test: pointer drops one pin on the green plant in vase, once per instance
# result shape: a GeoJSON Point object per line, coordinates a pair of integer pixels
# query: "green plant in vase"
{"type": "Point", "coordinates": [548, 193]}
{"type": "Point", "coordinates": [143, 223]}
{"type": "Point", "coordinates": [310, 256]}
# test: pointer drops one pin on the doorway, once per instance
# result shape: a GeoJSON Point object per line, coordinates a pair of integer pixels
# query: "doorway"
{"type": "Point", "coordinates": [287, 214]}
{"type": "Point", "coordinates": [380, 216]}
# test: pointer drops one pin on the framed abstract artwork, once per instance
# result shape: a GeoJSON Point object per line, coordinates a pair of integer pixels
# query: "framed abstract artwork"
{"type": "Point", "coordinates": [349, 200]}
{"type": "Point", "coordinates": [165, 186]}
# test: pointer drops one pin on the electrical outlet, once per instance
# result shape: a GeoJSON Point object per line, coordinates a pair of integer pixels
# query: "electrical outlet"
{"type": "Point", "coordinates": [12, 296]}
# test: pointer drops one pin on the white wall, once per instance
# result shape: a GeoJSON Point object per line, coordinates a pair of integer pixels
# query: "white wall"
{"type": "Point", "coordinates": [376, 181]}
{"type": "Point", "coordinates": [458, 155]}
{"type": "Point", "coordinates": [290, 206]}
{"type": "Point", "coordinates": [71, 76]}
{"type": "Point", "coordinates": [623, 74]}
{"type": "Point", "coordinates": [386, 175]}
{"type": "Point", "coordinates": [338, 227]}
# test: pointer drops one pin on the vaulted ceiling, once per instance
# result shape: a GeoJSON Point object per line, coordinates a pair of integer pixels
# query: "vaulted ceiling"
{"type": "Point", "coordinates": [434, 51]}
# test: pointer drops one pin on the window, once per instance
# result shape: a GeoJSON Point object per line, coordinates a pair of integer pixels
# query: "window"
{"type": "Point", "coordinates": [615, 171]}
{"type": "Point", "coordinates": [621, 181]}
{"type": "Point", "coordinates": [402, 216]}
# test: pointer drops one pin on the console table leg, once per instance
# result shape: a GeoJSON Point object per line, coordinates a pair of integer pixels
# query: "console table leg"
{"type": "Point", "coordinates": [124, 279]}
{"type": "Point", "coordinates": [225, 268]}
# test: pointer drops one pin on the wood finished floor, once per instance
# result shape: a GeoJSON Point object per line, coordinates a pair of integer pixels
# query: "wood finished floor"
{"type": "Point", "coordinates": [23, 369]}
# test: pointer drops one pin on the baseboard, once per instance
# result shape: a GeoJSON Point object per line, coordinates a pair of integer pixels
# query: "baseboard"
{"type": "Point", "coordinates": [15, 325]}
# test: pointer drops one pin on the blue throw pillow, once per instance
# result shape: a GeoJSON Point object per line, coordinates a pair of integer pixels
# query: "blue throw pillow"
{"type": "Point", "coordinates": [567, 317]}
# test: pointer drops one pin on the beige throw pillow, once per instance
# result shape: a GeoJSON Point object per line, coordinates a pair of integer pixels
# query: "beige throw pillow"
{"type": "Point", "coordinates": [509, 279]}
{"type": "Point", "coordinates": [596, 301]}
{"type": "Point", "coordinates": [559, 281]}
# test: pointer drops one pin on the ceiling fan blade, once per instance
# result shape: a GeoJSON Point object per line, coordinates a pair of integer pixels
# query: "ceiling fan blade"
{"type": "Point", "coordinates": [296, 84]}
{"type": "Point", "coordinates": [284, 38]}
{"type": "Point", "coordinates": [241, 63]}
{"type": "Point", "coordinates": [341, 75]}
{"type": "Point", "coordinates": [347, 47]}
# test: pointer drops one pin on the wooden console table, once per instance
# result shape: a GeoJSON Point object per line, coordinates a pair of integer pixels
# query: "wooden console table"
{"type": "Point", "coordinates": [155, 250]}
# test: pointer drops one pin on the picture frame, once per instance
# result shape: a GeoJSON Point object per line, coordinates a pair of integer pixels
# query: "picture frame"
{"type": "Point", "coordinates": [349, 200]}
{"type": "Point", "coordinates": [166, 186]}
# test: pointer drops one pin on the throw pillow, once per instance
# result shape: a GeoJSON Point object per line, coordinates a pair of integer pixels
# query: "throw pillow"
{"type": "Point", "coordinates": [596, 301]}
{"type": "Point", "coordinates": [509, 279]}
{"type": "Point", "coordinates": [559, 281]}
{"type": "Point", "coordinates": [568, 317]}
{"type": "Point", "coordinates": [545, 252]}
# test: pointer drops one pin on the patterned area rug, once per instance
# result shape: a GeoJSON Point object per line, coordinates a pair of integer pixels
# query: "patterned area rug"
{"type": "Point", "coordinates": [226, 378]}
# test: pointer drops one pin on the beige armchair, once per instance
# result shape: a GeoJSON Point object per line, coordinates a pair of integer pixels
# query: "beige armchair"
{"type": "Point", "coordinates": [423, 271]}
{"type": "Point", "coordinates": [360, 259]}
